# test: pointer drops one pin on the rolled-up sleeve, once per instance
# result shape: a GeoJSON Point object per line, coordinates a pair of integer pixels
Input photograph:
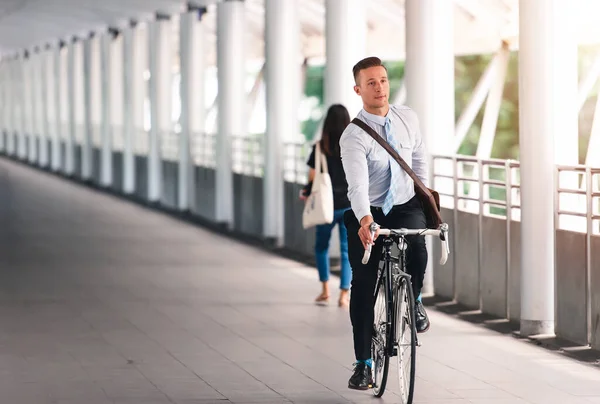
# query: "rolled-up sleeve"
{"type": "Point", "coordinates": [354, 160]}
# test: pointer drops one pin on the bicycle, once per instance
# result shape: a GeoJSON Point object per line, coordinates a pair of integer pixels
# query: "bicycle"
{"type": "Point", "coordinates": [396, 303]}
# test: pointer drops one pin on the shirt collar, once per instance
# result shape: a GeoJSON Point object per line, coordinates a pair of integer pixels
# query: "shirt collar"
{"type": "Point", "coordinates": [379, 120]}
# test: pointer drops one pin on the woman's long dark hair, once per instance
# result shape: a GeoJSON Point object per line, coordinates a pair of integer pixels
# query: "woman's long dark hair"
{"type": "Point", "coordinates": [335, 122]}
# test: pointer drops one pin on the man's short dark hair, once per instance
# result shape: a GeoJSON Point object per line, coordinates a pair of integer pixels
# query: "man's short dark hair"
{"type": "Point", "coordinates": [365, 64]}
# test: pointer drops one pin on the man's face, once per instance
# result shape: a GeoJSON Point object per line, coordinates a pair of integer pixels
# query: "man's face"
{"type": "Point", "coordinates": [373, 87]}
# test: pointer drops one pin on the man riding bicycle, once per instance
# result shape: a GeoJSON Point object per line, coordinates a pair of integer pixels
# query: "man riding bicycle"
{"type": "Point", "coordinates": [379, 190]}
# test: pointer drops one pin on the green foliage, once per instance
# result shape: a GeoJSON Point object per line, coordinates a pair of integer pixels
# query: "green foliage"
{"type": "Point", "coordinates": [314, 87]}
{"type": "Point", "coordinates": [395, 75]}
{"type": "Point", "coordinates": [468, 71]}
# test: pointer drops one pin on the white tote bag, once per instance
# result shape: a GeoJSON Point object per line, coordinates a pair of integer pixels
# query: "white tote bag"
{"type": "Point", "coordinates": [319, 204]}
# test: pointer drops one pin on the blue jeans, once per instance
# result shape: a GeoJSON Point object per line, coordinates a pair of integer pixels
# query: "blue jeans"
{"type": "Point", "coordinates": [322, 249]}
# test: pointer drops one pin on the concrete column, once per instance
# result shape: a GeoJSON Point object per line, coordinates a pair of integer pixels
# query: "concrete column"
{"type": "Point", "coordinates": [86, 147]}
{"type": "Point", "coordinates": [160, 57]}
{"type": "Point", "coordinates": [30, 117]}
{"type": "Point", "coordinates": [36, 132]}
{"type": "Point", "coordinates": [6, 106]}
{"type": "Point", "coordinates": [429, 70]}
{"type": "Point", "coordinates": [283, 65]}
{"type": "Point", "coordinates": [57, 162]}
{"type": "Point", "coordinates": [16, 95]}
{"type": "Point", "coordinates": [4, 66]}
{"type": "Point", "coordinates": [22, 117]}
{"type": "Point", "coordinates": [132, 101]}
{"type": "Point", "coordinates": [25, 145]}
{"type": "Point", "coordinates": [73, 99]}
{"type": "Point", "coordinates": [23, 107]}
{"type": "Point", "coordinates": [12, 75]}
{"type": "Point", "coordinates": [106, 120]}
{"type": "Point", "coordinates": [29, 108]}
{"type": "Point", "coordinates": [116, 94]}
{"type": "Point", "coordinates": [429, 78]}
{"type": "Point", "coordinates": [192, 102]}
{"type": "Point", "coordinates": [44, 128]}
{"type": "Point", "coordinates": [4, 102]}
{"type": "Point", "coordinates": [231, 74]}
{"type": "Point", "coordinates": [92, 103]}
{"type": "Point", "coordinates": [135, 54]}
{"type": "Point", "coordinates": [37, 105]}
{"type": "Point", "coordinates": [543, 115]}
{"type": "Point", "coordinates": [345, 44]}
{"type": "Point", "coordinates": [10, 145]}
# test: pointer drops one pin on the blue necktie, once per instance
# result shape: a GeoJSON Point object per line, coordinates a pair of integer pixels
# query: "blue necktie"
{"type": "Point", "coordinates": [394, 167]}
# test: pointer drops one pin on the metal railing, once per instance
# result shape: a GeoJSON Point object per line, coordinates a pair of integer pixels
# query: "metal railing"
{"type": "Point", "coordinates": [169, 147]}
{"type": "Point", "coordinates": [581, 197]}
{"type": "Point", "coordinates": [476, 196]}
{"type": "Point", "coordinates": [295, 169]}
{"type": "Point", "coordinates": [204, 149]}
{"type": "Point", "coordinates": [582, 200]}
{"type": "Point", "coordinates": [247, 156]}
{"type": "Point", "coordinates": [96, 134]}
{"type": "Point", "coordinates": [476, 185]}
{"type": "Point", "coordinates": [118, 137]}
{"type": "Point", "coordinates": [141, 142]}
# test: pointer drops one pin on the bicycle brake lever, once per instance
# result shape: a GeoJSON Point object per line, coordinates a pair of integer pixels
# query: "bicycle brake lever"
{"type": "Point", "coordinates": [443, 231]}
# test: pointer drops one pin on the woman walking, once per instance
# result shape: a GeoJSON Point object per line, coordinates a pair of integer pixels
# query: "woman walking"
{"type": "Point", "coordinates": [335, 122]}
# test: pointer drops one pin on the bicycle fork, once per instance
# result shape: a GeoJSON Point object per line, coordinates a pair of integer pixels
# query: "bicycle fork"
{"type": "Point", "coordinates": [402, 297]}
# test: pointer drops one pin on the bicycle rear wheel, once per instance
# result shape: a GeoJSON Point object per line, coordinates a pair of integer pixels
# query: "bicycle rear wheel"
{"type": "Point", "coordinates": [379, 341]}
{"type": "Point", "coordinates": [405, 339]}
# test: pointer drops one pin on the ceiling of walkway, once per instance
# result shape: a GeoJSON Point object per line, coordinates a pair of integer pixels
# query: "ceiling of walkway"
{"type": "Point", "coordinates": [480, 26]}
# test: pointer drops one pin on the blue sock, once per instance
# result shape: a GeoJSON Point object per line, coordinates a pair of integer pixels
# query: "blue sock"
{"type": "Point", "coordinates": [369, 362]}
{"type": "Point", "coordinates": [419, 298]}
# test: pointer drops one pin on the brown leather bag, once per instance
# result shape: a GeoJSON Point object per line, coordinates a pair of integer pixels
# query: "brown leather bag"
{"type": "Point", "coordinates": [430, 199]}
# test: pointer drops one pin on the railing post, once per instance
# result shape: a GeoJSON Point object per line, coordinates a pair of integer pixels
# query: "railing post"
{"type": "Point", "coordinates": [508, 214]}
{"type": "Point", "coordinates": [588, 252]}
{"type": "Point", "coordinates": [480, 230]}
{"type": "Point", "coordinates": [455, 221]}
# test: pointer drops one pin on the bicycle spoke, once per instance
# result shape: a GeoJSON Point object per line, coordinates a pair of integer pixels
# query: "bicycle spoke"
{"type": "Point", "coordinates": [378, 343]}
{"type": "Point", "coordinates": [406, 341]}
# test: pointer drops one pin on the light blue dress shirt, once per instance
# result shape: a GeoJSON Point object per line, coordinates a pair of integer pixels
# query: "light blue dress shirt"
{"type": "Point", "coordinates": [367, 164]}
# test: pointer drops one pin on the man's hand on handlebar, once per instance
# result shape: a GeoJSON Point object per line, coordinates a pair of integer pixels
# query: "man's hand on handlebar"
{"type": "Point", "coordinates": [365, 232]}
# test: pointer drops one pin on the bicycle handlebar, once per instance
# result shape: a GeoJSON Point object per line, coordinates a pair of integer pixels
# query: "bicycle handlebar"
{"type": "Point", "coordinates": [442, 233]}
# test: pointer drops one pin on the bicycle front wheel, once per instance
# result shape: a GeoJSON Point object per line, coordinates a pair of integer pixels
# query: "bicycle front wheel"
{"type": "Point", "coordinates": [405, 339]}
{"type": "Point", "coordinates": [379, 341]}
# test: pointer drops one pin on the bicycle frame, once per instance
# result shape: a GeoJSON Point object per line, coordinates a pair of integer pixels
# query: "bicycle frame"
{"type": "Point", "coordinates": [391, 281]}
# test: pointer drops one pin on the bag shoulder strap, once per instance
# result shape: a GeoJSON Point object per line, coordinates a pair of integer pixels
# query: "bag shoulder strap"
{"type": "Point", "coordinates": [317, 159]}
{"type": "Point", "coordinates": [393, 153]}
{"type": "Point", "coordinates": [320, 160]}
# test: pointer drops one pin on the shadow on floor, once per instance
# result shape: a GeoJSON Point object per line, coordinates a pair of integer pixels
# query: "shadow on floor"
{"type": "Point", "coordinates": [558, 345]}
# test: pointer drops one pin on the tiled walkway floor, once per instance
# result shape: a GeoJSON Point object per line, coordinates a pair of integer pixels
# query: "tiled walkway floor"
{"type": "Point", "coordinates": [102, 301]}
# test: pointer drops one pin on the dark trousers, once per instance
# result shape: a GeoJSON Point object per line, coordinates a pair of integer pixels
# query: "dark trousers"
{"type": "Point", "coordinates": [409, 215]}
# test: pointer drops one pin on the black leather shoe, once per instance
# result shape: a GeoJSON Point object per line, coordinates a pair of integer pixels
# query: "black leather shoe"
{"type": "Point", "coordinates": [362, 378]}
{"type": "Point", "coordinates": [422, 319]}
